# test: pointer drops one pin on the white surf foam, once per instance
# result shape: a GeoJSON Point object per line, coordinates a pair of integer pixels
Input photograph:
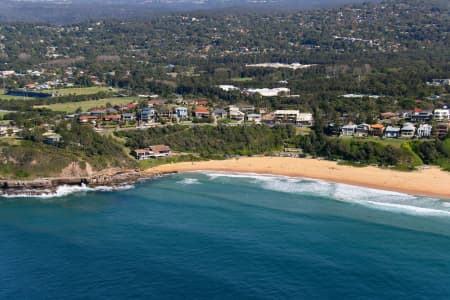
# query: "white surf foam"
{"type": "Point", "coordinates": [189, 181]}
{"type": "Point", "coordinates": [373, 198]}
{"type": "Point", "coordinates": [65, 190]}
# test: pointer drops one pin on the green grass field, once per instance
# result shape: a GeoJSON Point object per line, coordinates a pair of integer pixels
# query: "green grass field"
{"type": "Point", "coordinates": [6, 97]}
{"type": "Point", "coordinates": [242, 79]}
{"type": "Point", "coordinates": [78, 91]}
{"type": "Point", "coordinates": [71, 107]}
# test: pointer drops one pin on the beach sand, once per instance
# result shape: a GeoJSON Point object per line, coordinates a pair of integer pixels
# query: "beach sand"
{"type": "Point", "coordinates": [426, 182]}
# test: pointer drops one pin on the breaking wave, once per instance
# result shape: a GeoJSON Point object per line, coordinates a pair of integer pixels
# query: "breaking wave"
{"type": "Point", "coordinates": [189, 181]}
{"type": "Point", "coordinates": [373, 198]}
{"type": "Point", "coordinates": [65, 190]}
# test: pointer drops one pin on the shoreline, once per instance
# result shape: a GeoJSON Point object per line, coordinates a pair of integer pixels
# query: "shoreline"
{"type": "Point", "coordinates": [431, 182]}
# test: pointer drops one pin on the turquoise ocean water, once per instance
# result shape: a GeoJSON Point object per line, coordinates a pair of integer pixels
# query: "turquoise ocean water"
{"type": "Point", "coordinates": [225, 236]}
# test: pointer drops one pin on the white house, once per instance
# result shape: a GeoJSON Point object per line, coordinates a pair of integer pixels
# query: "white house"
{"type": "Point", "coordinates": [424, 131]}
{"type": "Point", "coordinates": [348, 130]}
{"type": "Point", "coordinates": [392, 132]}
{"type": "Point", "coordinates": [408, 130]}
{"type": "Point", "coordinates": [235, 113]}
{"type": "Point", "coordinates": [441, 114]}
{"type": "Point", "coordinates": [255, 118]}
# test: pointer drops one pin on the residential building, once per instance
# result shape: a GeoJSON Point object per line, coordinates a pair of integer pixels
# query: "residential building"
{"type": "Point", "coordinates": [422, 116]}
{"type": "Point", "coordinates": [441, 114]}
{"type": "Point", "coordinates": [348, 130]}
{"type": "Point", "coordinates": [53, 139]}
{"type": "Point", "coordinates": [362, 130]}
{"type": "Point", "coordinates": [408, 130]}
{"type": "Point", "coordinates": [220, 113]}
{"type": "Point", "coordinates": [424, 131]}
{"type": "Point", "coordinates": [112, 118]}
{"type": "Point", "coordinates": [441, 130]}
{"type": "Point", "coordinates": [181, 112]}
{"type": "Point", "coordinates": [255, 118]}
{"type": "Point", "coordinates": [202, 113]}
{"type": "Point", "coordinates": [87, 119]}
{"type": "Point", "coordinates": [377, 129]}
{"type": "Point", "coordinates": [235, 114]}
{"type": "Point", "coordinates": [392, 132]}
{"type": "Point", "coordinates": [160, 151]}
{"type": "Point", "coordinates": [305, 119]}
{"type": "Point", "coordinates": [268, 119]}
{"type": "Point", "coordinates": [127, 117]}
{"type": "Point", "coordinates": [246, 108]}
{"type": "Point", "coordinates": [147, 113]}
{"type": "Point", "coordinates": [142, 154]}
{"type": "Point", "coordinates": [156, 151]}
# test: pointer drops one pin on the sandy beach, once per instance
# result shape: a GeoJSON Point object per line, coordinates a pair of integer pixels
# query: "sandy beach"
{"type": "Point", "coordinates": [427, 182]}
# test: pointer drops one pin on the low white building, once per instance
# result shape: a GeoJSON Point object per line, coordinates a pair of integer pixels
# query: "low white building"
{"type": "Point", "coordinates": [348, 130]}
{"type": "Point", "coordinates": [282, 91]}
{"type": "Point", "coordinates": [424, 131]}
{"type": "Point", "coordinates": [441, 114]}
{"type": "Point", "coordinates": [408, 130]}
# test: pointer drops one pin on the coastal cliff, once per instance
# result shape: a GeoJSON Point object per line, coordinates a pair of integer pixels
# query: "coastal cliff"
{"type": "Point", "coordinates": [109, 177]}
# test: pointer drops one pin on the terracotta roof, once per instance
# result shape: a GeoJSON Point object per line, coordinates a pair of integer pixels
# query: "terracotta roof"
{"type": "Point", "coordinates": [378, 126]}
{"type": "Point", "coordinates": [141, 151]}
{"type": "Point", "coordinates": [201, 110]}
{"type": "Point", "coordinates": [112, 117]}
{"type": "Point", "coordinates": [159, 148]}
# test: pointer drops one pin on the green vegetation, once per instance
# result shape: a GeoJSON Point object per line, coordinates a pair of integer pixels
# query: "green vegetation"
{"type": "Point", "coordinates": [78, 91]}
{"type": "Point", "coordinates": [213, 142]}
{"type": "Point", "coordinates": [31, 158]}
{"type": "Point", "coordinates": [71, 107]}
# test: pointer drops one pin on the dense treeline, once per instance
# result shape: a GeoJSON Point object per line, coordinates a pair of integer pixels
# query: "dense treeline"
{"type": "Point", "coordinates": [209, 141]}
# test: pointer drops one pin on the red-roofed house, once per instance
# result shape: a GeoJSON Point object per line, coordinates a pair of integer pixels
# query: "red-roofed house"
{"type": "Point", "coordinates": [202, 113]}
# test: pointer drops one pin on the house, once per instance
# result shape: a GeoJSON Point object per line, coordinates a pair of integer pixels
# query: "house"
{"type": "Point", "coordinates": [87, 119]}
{"type": "Point", "coordinates": [305, 119]}
{"type": "Point", "coordinates": [155, 151]}
{"type": "Point", "coordinates": [362, 130]}
{"type": "Point", "coordinates": [181, 112]}
{"type": "Point", "coordinates": [441, 114]}
{"type": "Point", "coordinates": [255, 118]}
{"type": "Point", "coordinates": [348, 130]}
{"type": "Point", "coordinates": [147, 113]}
{"type": "Point", "coordinates": [97, 111]}
{"type": "Point", "coordinates": [127, 117]}
{"type": "Point", "coordinates": [156, 102]}
{"type": "Point", "coordinates": [392, 132]}
{"type": "Point", "coordinates": [234, 113]}
{"type": "Point", "coordinates": [408, 130]}
{"type": "Point", "coordinates": [246, 108]}
{"type": "Point", "coordinates": [377, 129]}
{"type": "Point", "coordinates": [160, 151]}
{"type": "Point", "coordinates": [388, 115]}
{"type": "Point", "coordinates": [220, 113]}
{"type": "Point", "coordinates": [202, 103]}
{"type": "Point", "coordinates": [112, 118]}
{"type": "Point", "coordinates": [422, 116]}
{"type": "Point", "coordinates": [286, 116]}
{"type": "Point", "coordinates": [165, 112]}
{"type": "Point", "coordinates": [142, 154]}
{"type": "Point", "coordinates": [202, 113]}
{"type": "Point", "coordinates": [441, 130]}
{"type": "Point", "coordinates": [424, 131]}
{"type": "Point", "coordinates": [53, 139]}
{"type": "Point", "coordinates": [268, 119]}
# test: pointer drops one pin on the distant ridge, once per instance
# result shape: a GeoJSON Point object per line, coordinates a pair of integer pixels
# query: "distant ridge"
{"type": "Point", "coordinates": [72, 11]}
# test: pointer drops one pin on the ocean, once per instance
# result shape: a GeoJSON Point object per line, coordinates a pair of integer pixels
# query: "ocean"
{"type": "Point", "coordinates": [225, 236]}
